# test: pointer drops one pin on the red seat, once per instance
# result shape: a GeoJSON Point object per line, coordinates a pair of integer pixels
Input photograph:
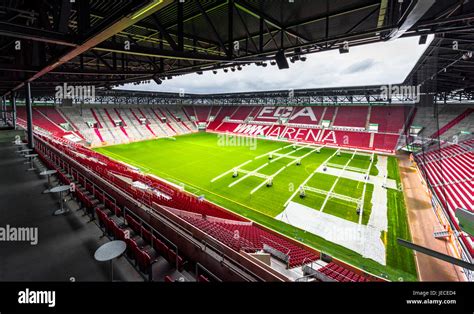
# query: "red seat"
{"type": "Point", "coordinates": [133, 224]}
{"type": "Point", "coordinates": [175, 259]}
{"type": "Point", "coordinates": [159, 246]}
{"type": "Point", "coordinates": [146, 235]}
{"type": "Point", "coordinates": [202, 278]}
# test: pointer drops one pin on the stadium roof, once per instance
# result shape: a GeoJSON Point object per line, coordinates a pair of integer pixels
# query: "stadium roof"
{"type": "Point", "coordinates": [106, 43]}
{"type": "Point", "coordinates": [447, 64]}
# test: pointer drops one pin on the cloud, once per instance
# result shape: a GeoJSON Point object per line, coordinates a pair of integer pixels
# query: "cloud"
{"type": "Point", "coordinates": [360, 66]}
{"type": "Point", "coordinates": [375, 64]}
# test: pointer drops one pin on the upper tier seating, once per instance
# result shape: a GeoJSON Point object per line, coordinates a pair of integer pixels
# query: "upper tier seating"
{"type": "Point", "coordinates": [52, 114]}
{"type": "Point", "coordinates": [242, 113]}
{"type": "Point", "coordinates": [43, 122]}
{"type": "Point", "coordinates": [106, 130]}
{"type": "Point", "coordinates": [390, 119]}
{"type": "Point", "coordinates": [165, 121]}
{"type": "Point", "coordinates": [351, 116]}
{"type": "Point", "coordinates": [446, 119]}
{"type": "Point", "coordinates": [224, 112]}
{"type": "Point", "coordinates": [202, 113]}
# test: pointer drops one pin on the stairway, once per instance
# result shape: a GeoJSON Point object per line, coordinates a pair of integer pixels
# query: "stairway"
{"type": "Point", "coordinates": [367, 122]}
{"type": "Point", "coordinates": [334, 116]}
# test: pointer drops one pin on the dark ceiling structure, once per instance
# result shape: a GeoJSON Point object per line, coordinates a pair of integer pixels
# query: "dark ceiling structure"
{"type": "Point", "coordinates": [447, 65]}
{"type": "Point", "coordinates": [108, 43]}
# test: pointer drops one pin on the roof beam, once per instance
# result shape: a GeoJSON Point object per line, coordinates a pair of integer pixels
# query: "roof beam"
{"type": "Point", "coordinates": [102, 60]}
{"type": "Point", "coordinates": [258, 14]}
{"type": "Point", "coordinates": [159, 53]}
{"type": "Point", "coordinates": [62, 16]}
{"type": "Point", "coordinates": [213, 28]}
{"type": "Point", "coordinates": [35, 34]}
{"type": "Point", "coordinates": [120, 22]}
{"type": "Point", "coordinates": [165, 33]}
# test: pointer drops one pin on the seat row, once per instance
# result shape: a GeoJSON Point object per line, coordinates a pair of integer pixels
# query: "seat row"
{"type": "Point", "coordinates": [341, 274]}
{"type": "Point", "coordinates": [143, 247]}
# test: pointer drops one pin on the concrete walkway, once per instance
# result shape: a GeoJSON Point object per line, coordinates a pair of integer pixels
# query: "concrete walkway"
{"type": "Point", "coordinates": [423, 221]}
{"type": "Point", "coordinates": [66, 244]}
{"type": "Point", "coordinates": [364, 240]}
{"type": "Point", "coordinates": [378, 217]}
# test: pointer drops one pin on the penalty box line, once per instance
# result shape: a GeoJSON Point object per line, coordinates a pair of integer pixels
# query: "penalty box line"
{"type": "Point", "coordinates": [227, 172]}
{"type": "Point", "coordinates": [273, 151]}
{"type": "Point", "coordinates": [287, 155]}
{"type": "Point", "coordinates": [337, 180]}
{"type": "Point", "coordinates": [309, 178]}
{"type": "Point", "coordinates": [264, 182]}
{"type": "Point", "coordinates": [245, 163]}
{"type": "Point", "coordinates": [255, 172]}
{"type": "Point", "coordinates": [367, 173]}
{"type": "Point", "coordinates": [251, 173]}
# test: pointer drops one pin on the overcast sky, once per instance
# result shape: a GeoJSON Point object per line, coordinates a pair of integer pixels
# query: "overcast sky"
{"type": "Point", "coordinates": [380, 63]}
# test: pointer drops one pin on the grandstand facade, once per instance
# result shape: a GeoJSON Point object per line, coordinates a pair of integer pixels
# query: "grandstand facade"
{"type": "Point", "coordinates": [378, 127]}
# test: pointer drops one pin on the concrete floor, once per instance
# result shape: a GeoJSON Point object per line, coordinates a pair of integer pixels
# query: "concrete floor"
{"type": "Point", "coordinates": [66, 244]}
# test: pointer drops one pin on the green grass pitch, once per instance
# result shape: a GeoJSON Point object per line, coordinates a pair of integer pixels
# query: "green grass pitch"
{"type": "Point", "coordinates": [193, 160]}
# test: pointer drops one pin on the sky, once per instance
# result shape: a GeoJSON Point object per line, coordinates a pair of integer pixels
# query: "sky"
{"type": "Point", "coordinates": [374, 64]}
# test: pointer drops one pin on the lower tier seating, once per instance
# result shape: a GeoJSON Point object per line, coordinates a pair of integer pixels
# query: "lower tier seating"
{"type": "Point", "coordinates": [340, 273]}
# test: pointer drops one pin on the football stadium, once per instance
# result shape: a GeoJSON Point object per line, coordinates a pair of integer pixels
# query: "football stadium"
{"type": "Point", "coordinates": [116, 166]}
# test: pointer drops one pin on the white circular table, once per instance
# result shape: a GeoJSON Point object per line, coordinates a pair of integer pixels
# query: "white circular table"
{"type": "Point", "coordinates": [25, 151]}
{"type": "Point", "coordinates": [109, 251]}
{"type": "Point", "coordinates": [48, 173]}
{"type": "Point", "coordinates": [60, 189]}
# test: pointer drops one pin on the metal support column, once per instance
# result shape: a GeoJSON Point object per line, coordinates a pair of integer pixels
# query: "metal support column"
{"type": "Point", "coordinates": [29, 115]}
{"type": "Point", "coordinates": [4, 110]}
{"type": "Point", "coordinates": [13, 105]}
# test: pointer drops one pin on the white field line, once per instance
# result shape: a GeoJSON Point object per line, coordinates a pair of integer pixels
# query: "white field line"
{"type": "Point", "coordinates": [264, 182]}
{"type": "Point", "coordinates": [287, 154]}
{"type": "Point", "coordinates": [273, 151]}
{"type": "Point", "coordinates": [231, 170]}
{"type": "Point", "coordinates": [301, 157]}
{"type": "Point", "coordinates": [338, 166]}
{"type": "Point", "coordinates": [299, 147]}
{"type": "Point", "coordinates": [256, 174]}
{"type": "Point", "coordinates": [335, 182]}
{"type": "Point", "coordinates": [333, 195]}
{"type": "Point", "coordinates": [248, 175]}
{"type": "Point", "coordinates": [365, 187]}
{"type": "Point", "coordinates": [307, 179]}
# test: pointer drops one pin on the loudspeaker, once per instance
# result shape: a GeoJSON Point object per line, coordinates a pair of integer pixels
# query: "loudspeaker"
{"type": "Point", "coordinates": [281, 60]}
{"type": "Point", "coordinates": [423, 39]}
{"type": "Point", "coordinates": [157, 79]}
